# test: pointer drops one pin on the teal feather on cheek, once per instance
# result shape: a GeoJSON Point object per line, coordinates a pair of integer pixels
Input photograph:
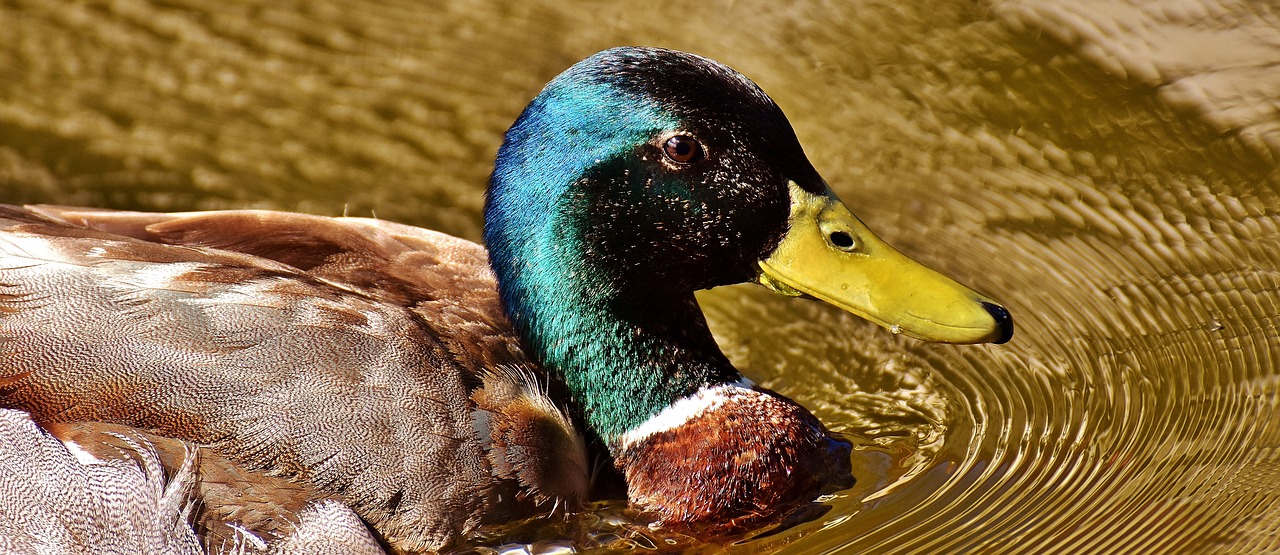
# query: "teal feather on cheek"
{"type": "Point", "coordinates": [574, 125]}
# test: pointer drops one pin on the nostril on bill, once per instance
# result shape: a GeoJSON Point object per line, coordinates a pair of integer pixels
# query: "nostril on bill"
{"type": "Point", "coordinates": [841, 240]}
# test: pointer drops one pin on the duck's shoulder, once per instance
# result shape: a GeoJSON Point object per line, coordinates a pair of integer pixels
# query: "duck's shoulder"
{"type": "Point", "coordinates": [333, 247]}
{"type": "Point", "coordinates": [444, 280]}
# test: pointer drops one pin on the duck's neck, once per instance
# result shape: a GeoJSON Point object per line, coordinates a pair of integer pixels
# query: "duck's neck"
{"type": "Point", "coordinates": [624, 348]}
{"type": "Point", "coordinates": [623, 355]}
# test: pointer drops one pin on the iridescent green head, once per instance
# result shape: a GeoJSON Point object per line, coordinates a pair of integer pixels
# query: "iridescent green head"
{"type": "Point", "coordinates": [672, 173]}
{"type": "Point", "coordinates": [669, 169]}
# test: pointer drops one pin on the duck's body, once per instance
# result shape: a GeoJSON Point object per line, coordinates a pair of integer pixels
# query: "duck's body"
{"type": "Point", "coordinates": [389, 368]}
{"type": "Point", "coordinates": [362, 359]}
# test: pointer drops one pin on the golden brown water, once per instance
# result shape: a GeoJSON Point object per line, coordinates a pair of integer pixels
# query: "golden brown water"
{"type": "Point", "coordinates": [1107, 170]}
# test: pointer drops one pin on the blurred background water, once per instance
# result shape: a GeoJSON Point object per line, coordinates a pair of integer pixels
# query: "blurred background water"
{"type": "Point", "coordinates": [1106, 169]}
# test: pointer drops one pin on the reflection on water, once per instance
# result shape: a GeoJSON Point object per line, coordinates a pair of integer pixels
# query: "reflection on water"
{"type": "Point", "coordinates": [1106, 170]}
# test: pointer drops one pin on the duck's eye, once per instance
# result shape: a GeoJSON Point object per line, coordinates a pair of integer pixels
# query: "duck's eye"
{"type": "Point", "coordinates": [682, 149]}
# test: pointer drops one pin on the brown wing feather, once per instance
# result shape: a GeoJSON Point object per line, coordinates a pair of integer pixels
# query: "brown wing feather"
{"type": "Point", "coordinates": [446, 280]}
{"type": "Point", "coordinates": [349, 368]}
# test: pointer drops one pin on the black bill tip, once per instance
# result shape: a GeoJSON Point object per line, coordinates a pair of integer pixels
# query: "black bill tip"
{"type": "Point", "coordinates": [1004, 322]}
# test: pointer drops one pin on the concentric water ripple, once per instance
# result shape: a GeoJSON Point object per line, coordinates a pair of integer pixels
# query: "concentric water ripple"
{"type": "Point", "coordinates": [1135, 412]}
{"type": "Point", "coordinates": [1108, 170]}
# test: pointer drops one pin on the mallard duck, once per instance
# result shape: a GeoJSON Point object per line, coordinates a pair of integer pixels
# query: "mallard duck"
{"type": "Point", "coordinates": [433, 387]}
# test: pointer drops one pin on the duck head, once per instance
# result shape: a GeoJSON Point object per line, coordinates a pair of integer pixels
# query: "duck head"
{"type": "Point", "coordinates": [638, 176]}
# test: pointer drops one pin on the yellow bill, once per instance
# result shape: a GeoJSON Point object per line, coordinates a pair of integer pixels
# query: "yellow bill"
{"type": "Point", "coordinates": [829, 254]}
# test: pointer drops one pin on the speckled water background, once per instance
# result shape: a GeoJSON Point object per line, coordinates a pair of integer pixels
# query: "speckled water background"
{"type": "Point", "coordinates": [1106, 169]}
